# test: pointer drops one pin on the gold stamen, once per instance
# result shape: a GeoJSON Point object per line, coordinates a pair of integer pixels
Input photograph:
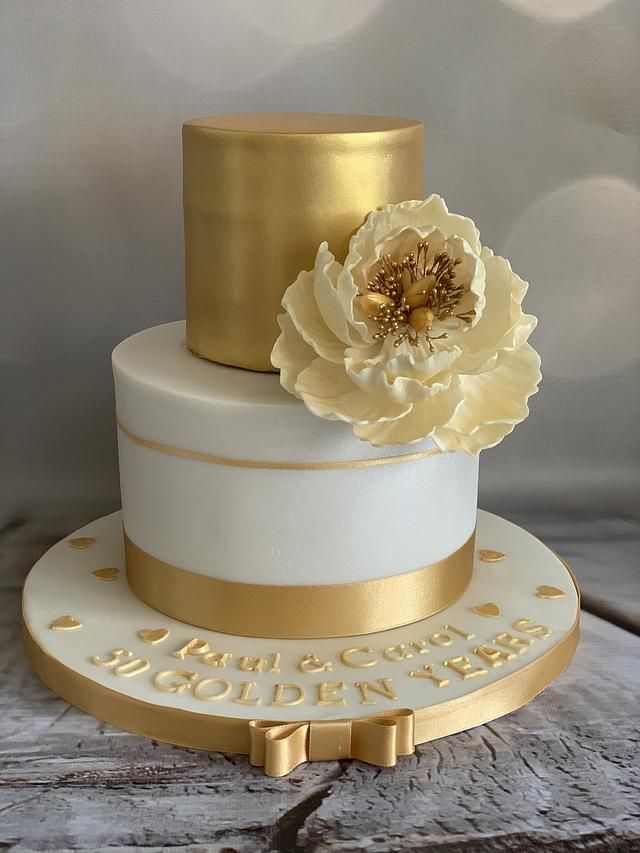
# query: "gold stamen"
{"type": "Point", "coordinates": [407, 297]}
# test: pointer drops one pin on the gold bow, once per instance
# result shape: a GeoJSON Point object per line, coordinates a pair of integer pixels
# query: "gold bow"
{"type": "Point", "coordinates": [377, 739]}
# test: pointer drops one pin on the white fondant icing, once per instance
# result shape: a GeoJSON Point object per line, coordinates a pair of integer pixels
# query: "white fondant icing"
{"type": "Point", "coordinates": [61, 583]}
{"type": "Point", "coordinates": [271, 526]}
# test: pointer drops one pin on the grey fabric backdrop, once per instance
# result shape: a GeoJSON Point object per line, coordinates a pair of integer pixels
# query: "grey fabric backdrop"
{"type": "Point", "coordinates": [532, 114]}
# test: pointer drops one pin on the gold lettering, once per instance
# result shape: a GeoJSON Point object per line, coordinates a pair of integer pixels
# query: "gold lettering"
{"type": "Point", "coordinates": [225, 689]}
{"type": "Point", "coordinates": [220, 659]}
{"type": "Point", "coordinates": [311, 663]}
{"type": "Point", "coordinates": [116, 657]}
{"type": "Point", "coordinates": [131, 668]}
{"type": "Point", "coordinates": [494, 657]}
{"type": "Point", "coordinates": [427, 672]}
{"type": "Point", "coordinates": [420, 646]}
{"type": "Point", "coordinates": [441, 640]}
{"type": "Point", "coordinates": [460, 632]}
{"type": "Point", "coordinates": [245, 694]}
{"type": "Point", "coordinates": [462, 665]}
{"type": "Point", "coordinates": [280, 691]}
{"type": "Point", "coordinates": [507, 640]}
{"type": "Point", "coordinates": [528, 626]}
{"type": "Point", "coordinates": [174, 686]}
{"type": "Point", "coordinates": [327, 693]}
{"type": "Point", "coordinates": [397, 652]}
{"type": "Point", "coordinates": [193, 647]}
{"type": "Point", "coordinates": [274, 663]}
{"type": "Point", "coordinates": [249, 664]}
{"type": "Point", "coordinates": [347, 654]}
{"type": "Point", "coordinates": [383, 688]}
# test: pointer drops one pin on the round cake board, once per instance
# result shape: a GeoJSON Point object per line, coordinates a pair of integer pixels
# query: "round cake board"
{"type": "Point", "coordinates": [95, 644]}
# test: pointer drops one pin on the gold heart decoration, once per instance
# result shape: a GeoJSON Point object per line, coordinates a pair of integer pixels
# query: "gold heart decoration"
{"type": "Point", "coordinates": [153, 635]}
{"type": "Point", "coordinates": [488, 556]}
{"type": "Point", "coordinates": [81, 542]}
{"type": "Point", "coordinates": [110, 574]}
{"type": "Point", "coordinates": [545, 591]}
{"type": "Point", "coordinates": [65, 623]}
{"type": "Point", "coordinates": [487, 609]}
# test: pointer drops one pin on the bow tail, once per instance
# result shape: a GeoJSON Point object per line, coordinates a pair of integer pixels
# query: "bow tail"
{"type": "Point", "coordinates": [278, 747]}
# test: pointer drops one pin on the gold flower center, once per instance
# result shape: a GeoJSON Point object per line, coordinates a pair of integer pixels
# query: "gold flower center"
{"type": "Point", "coordinates": [407, 297]}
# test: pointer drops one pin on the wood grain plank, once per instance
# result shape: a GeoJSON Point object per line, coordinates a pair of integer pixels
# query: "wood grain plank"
{"type": "Point", "coordinates": [559, 773]}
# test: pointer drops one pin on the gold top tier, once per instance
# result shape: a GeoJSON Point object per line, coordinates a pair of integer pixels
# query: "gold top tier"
{"type": "Point", "coordinates": [261, 192]}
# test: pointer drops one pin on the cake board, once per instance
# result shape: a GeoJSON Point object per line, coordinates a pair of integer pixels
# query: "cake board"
{"type": "Point", "coordinates": [283, 702]}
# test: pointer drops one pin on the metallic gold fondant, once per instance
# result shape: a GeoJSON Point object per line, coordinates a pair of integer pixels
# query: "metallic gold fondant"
{"type": "Point", "coordinates": [153, 635]}
{"type": "Point", "coordinates": [428, 673]}
{"type": "Point", "coordinates": [529, 626]}
{"type": "Point", "coordinates": [441, 640]}
{"type": "Point", "coordinates": [81, 542]}
{"type": "Point", "coordinates": [488, 556]}
{"type": "Point", "coordinates": [346, 656]}
{"type": "Point", "coordinates": [261, 192]}
{"type": "Point", "coordinates": [545, 591]}
{"type": "Point", "coordinates": [463, 667]}
{"type": "Point", "coordinates": [383, 688]}
{"type": "Point", "coordinates": [311, 663]}
{"type": "Point", "coordinates": [108, 574]}
{"type": "Point", "coordinates": [466, 635]}
{"type": "Point", "coordinates": [282, 695]}
{"type": "Point", "coordinates": [487, 609]}
{"type": "Point", "coordinates": [194, 647]}
{"type": "Point", "coordinates": [508, 641]}
{"type": "Point", "coordinates": [65, 623]}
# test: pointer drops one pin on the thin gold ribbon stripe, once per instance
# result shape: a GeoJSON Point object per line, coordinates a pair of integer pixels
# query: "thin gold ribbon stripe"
{"type": "Point", "coordinates": [298, 612]}
{"type": "Point", "coordinates": [232, 462]}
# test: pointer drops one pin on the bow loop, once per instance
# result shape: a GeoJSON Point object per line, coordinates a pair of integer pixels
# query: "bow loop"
{"type": "Point", "coordinates": [378, 739]}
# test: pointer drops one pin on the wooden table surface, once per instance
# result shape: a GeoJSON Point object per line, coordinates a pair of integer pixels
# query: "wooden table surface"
{"type": "Point", "coordinates": [561, 773]}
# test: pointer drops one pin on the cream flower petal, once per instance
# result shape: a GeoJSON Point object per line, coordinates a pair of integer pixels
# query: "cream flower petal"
{"type": "Point", "coordinates": [419, 423]}
{"type": "Point", "coordinates": [290, 355]}
{"type": "Point", "coordinates": [471, 270]}
{"type": "Point", "coordinates": [395, 378]}
{"type": "Point", "coordinates": [494, 402]}
{"type": "Point", "coordinates": [347, 291]}
{"type": "Point", "coordinates": [504, 327]}
{"type": "Point", "coordinates": [328, 392]}
{"type": "Point", "coordinates": [403, 240]}
{"type": "Point", "coordinates": [467, 390]}
{"type": "Point", "coordinates": [300, 304]}
{"type": "Point", "coordinates": [326, 274]}
{"type": "Point", "coordinates": [429, 213]}
{"type": "Point", "coordinates": [435, 211]}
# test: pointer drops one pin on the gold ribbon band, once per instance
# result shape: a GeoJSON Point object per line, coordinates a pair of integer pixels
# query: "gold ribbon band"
{"type": "Point", "coordinates": [298, 612]}
{"type": "Point", "coordinates": [214, 459]}
{"type": "Point", "coordinates": [378, 739]}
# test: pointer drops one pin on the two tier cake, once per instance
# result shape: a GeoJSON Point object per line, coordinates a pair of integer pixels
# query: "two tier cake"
{"type": "Point", "coordinates": [299, 571]}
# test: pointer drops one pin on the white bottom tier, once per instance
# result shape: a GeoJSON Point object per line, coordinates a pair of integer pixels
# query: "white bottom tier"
{"type": "Point", "coordinates": [93, 642]}
{"type": "Point", "coordinates": [225, 474]}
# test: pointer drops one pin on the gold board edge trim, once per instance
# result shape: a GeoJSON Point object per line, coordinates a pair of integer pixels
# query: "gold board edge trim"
{"type": "Point", "coordinates": [231, 462]}
{"type": "Point", "coordinates": [314, 611]}
{"type": "Point", "coordinates": [229, 734]}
